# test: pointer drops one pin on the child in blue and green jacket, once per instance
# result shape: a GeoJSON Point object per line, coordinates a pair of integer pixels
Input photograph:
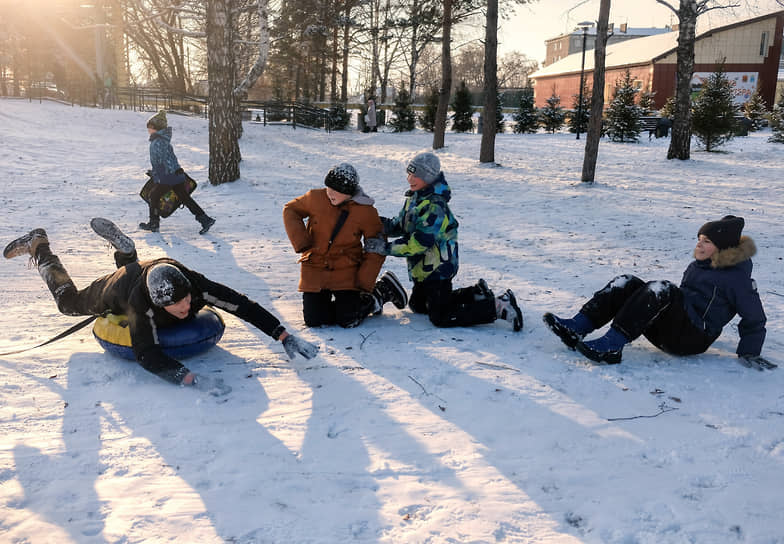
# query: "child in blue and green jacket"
{"type": "Point", "coordinates": [426, 232]}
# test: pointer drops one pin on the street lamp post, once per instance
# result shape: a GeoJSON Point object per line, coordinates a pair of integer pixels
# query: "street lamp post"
{"type": "Point", "coordinates": [584, 26]}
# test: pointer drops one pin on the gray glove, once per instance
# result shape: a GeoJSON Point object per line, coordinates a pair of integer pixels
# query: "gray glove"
{"type": "Point", "coordinates": [213, 386]}
{"type": "Point", "coordinates": [756, 362]}
{"type": "Point", "coordinates": [376, 245]}
{"type": "Point", "coordinates": [294, 345]}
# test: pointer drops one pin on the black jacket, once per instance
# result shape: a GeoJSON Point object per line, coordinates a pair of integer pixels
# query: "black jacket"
{"type": "Point", "coordinates": [125, 293]}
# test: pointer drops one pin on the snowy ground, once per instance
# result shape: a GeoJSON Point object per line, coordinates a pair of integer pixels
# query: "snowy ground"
{"type": "Point", "coordinates": [398, 432]}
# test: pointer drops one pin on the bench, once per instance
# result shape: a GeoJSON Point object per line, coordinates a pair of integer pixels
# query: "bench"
{"type": "Point", "coordinates": [656, 126]}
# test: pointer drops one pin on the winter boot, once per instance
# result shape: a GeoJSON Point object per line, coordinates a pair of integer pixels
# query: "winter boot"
{"type": "Point", "coordinates": [112, 234]}
{"type": "Point", "coordinates": [26, 245]}
{"type": "Point", "coordinates": [389, 289]}
{"type": "Point", "coordinates": [206, 222]}
{"type": "Point", "coordinates": [506, 308]}
{"type": "Point", "coordinates": [607, 349]}
{"type": "Point", "coordinates": [570, 331]}
{"type": "Point", "coordinates": [155, 222]}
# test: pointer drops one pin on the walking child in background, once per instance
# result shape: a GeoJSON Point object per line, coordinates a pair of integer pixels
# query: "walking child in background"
{"type": "Point", "coordinates": [683, 320]}
{"type": "Point", "coordinates": [152, 295]}
{"type": "Point", "coordinates": [168, 175]}
{"type": "Point", "coordinates": [427, 238]}
{"type": "Point", "coordinates": [370, 118]}
{"type": "Point", "coordinates": [338, 279]}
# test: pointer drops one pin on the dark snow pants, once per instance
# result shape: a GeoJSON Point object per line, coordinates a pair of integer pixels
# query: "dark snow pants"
{"type": "Point", "coordinates": [345, 308]}
{"type": "Point", "coordinates": [447, 308]}
{"type": "Point", "coordinates": [654, 309]}
{"type": "Point", "coordinates": [69, 299]}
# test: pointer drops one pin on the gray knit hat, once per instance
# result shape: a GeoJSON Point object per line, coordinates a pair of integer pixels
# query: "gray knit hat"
{"type": "Point", "coordinates": [425, 166]}
{"type": "Point", "coordinates": [158, 121]}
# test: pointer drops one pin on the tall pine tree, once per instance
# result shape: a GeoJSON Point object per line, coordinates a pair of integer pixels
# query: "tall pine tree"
{"type": "Point", "coordinates": [755, 110]}
{"type": "Point", "coordinates": [552, 115]}
{"type": "Point", "coordinates": [461, 105]}
{"type": "Point", "coordinates": [499, 115]}
{"type": "Point", "coordinates": [777, 122]}
{"type": "Point", "coordinates": [579, 116]}
{"type": "Point", "coordinates": [713, 111]}
{"type": "Point", "coordinates": [623, 115]}
{"type": "Point", "coordinates": [404, 119]}
{"type": "Point", "coordinates": [428, 117]}
{"type": "Point", "coordinates": [526, 117]}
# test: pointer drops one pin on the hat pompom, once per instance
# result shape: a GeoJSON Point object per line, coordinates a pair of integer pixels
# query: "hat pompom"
{"type": "Point", "coordinates": [158, 121]}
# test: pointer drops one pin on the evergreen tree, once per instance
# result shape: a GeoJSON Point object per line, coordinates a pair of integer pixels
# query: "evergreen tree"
{"type": "Point", "coordinates": [713, 111]}
{"type": "Point", "coordinates": [499, 115]}
{"type": "Point", "coordinates": [461, 105]}
{"type": "Point", "coordinates": [623, 115]}
{"type": "Point", "coordinates": [584, 113]}
{"type": "Point", "coordinates": [428, 117]}
{"type": "Point", "coordinates": [646, 102]}
{"type": "Point", "coordinates": [338, 116]}
{"type": "Point", "coordinates": [552, 115]}
{"type": "Point", "coordinates": [404, 119]}
{"type": "Point", "coordinates": [668, 110]}
{"type": "Point", "coordinates": [755, 110]}
{"type": "Point", "coordinates": [777, 122]}
{"type": "Point", "coordinates": [526, 118]}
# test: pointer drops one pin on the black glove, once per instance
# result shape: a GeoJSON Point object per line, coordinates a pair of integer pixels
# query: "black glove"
{"type": "Point", "coordinates": [376, 245]}
{"type": "Point", "coordinates": [756, 361]}
{"type": "Point", "coordinates": [213, 386]}
{"type": "Point", "coordinates": [294, 345]}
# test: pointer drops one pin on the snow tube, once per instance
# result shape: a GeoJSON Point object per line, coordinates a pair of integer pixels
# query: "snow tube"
{"type": "Point", "coordinates": [180, 341]}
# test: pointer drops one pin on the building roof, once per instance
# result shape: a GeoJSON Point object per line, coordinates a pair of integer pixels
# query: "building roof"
{"type": "Point", "coordinates": [643, 31]}
{"type": "Point", "coordinates": [636, 51]}
{"type": "Point", "coordinates": [632, 52]}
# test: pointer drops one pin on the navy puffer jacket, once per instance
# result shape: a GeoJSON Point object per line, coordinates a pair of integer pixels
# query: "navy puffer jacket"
{"type": "Point", "coordinates": [716, 289]}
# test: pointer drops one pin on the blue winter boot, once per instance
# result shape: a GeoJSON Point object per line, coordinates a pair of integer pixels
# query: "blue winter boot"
{"type": "Point", "coordinates": [606, 349]}
{"type": "Point", "coordinates": [570, 331]}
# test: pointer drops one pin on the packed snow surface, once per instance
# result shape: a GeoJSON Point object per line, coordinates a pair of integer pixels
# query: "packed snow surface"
{"type": "Point", "coordinates": [396, 432]}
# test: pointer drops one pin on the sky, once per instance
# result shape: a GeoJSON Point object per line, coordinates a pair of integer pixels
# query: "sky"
{"type": "Point", "coordinates": [534, 23]}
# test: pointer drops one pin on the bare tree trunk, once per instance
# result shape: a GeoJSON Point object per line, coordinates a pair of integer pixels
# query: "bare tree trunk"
{"type": "Point", "coordinates": [680, 143]}
{"type": "Point", "coordinates": [487, 149]}
{"type": "Point", "coordinates": [224, 147]}
{"type": "Point", "coordinates": [346, 42]}
{"type": "Point", "coordinates": [439, 129]}
{"type": "Point", "coordinates": [594, 132]}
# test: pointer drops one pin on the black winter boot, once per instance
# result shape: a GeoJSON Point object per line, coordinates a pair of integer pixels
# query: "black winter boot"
{"type": "Point", "coordinates": [155, 221]}
{"type": "Point", "coordinates": [206, 222]}
{"type": "Point", "coordinates": [389, 289]}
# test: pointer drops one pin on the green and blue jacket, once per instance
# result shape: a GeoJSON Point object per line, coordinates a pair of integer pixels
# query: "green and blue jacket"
{"type": "Point", "coordinates": [427, 233]}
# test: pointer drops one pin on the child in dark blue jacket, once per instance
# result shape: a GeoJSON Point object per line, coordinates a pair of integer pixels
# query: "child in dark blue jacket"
{"type": "Point", "coordinates": [168, 175]}
{"type": "Point", "coordinates": [683, 320]}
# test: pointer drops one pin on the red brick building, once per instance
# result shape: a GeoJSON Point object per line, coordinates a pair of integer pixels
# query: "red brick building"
{"type": "Point", "coordinates": [750, 49]}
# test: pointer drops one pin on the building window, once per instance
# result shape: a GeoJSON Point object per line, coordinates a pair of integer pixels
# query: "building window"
{"type": "Point", "coordinates": [763, 44]}
{"type": "Point", "coordinates": [637, 84]}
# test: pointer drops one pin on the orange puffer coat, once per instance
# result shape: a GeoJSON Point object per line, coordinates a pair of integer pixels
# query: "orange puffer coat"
{"type": "Point", "coordinates": [343, 265]}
